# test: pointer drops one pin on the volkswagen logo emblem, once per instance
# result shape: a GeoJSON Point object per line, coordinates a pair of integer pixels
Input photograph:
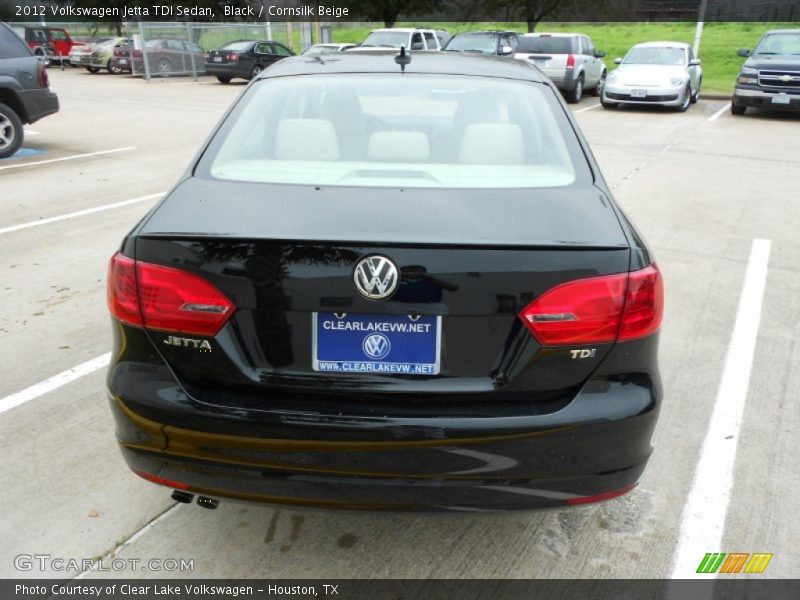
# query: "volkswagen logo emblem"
{"type": "Point", "coordinates": [376, 346]}
{"type": "Point", "coordinates": [375, 277]}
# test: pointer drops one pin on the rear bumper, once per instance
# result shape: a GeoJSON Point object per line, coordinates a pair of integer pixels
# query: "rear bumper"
{"type": "Point", "coordinates": [124, 63]}
{"type": "Point", "coordinates": [759, 98]}
{"type": "Point", "coordinates": [595, 444]}
{"type": "Point", "coordinates": [38, 104]}
{"type": "Point", "coordinates": [223, 70]}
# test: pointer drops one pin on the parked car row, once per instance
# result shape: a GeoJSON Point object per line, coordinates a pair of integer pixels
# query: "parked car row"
{"type": "Point", "coordinates": [652, 73]}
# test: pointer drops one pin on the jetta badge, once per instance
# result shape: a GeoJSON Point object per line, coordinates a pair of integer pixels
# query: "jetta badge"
{"type": "Point", "coordinates": [375, 277]}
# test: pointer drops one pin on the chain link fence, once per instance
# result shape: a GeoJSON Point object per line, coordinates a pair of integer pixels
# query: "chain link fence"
{"type": "Point", "coordinates": [179, 49]}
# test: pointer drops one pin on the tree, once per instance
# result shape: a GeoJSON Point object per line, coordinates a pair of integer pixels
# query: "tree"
{"type": "Point", "coordinates": [388, 10]}
{"type": "Point", "coordinates": [533, 11]}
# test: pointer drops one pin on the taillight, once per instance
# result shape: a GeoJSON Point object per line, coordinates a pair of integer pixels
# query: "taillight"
{"type": "Point", "coordinates": [597, 310]}
{"type": "Point", "coordinates": [123, 299]}
{"type": "Point", "coordinates": [44, 80]}
{"type": "Point", "coordinates": [165, 298]}
{"type": "Point", "coordinates": [644, 304]}
{"type": "Point", "coordinates": [570, 61]}
{"type": "Point", "coordinates": [232, 57]}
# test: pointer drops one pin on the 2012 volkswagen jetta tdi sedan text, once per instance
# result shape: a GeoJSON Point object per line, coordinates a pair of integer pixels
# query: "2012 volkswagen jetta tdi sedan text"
{"type": "Point", "coordinates": [389, 285]}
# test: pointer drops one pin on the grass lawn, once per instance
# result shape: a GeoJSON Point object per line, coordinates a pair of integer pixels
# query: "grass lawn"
{"type": "Point", "coordinates": [717, 49]}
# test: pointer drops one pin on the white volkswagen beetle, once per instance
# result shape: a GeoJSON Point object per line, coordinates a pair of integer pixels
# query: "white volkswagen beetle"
{"type": "Point", "coordinates": [661, 73]}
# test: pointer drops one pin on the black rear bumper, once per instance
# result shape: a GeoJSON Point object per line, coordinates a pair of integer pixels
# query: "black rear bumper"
{"type": "Point", "coordinates": [226, 70]}
{"type": "Point", "coordinates": [341, 456]}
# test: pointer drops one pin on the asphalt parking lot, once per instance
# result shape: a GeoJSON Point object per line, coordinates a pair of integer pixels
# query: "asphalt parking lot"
{"type": "Point", "coordinates": [703, 187]}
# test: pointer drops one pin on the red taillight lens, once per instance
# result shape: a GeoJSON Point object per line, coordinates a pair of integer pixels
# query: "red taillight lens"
{"type": "Point", "coordinates": [598, 309]}
{"type": "Point", "coordinates": [644, 306]}
{"type": "Point", "coordinates": [165, 298]}
{"type": "Point", "coordinates": [579, 312]}
{"type": "Point", "coordinates": [570, 61]}
{"type": "Point", "coordinates": [123, 299]}
{"type": "Point", "coordinates": [232, 57]}
{"type": "Point", "coordinates": [44, 80]}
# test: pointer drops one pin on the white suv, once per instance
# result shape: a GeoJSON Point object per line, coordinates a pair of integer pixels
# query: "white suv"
{"type": "Point", "coordinates": [411, 39]}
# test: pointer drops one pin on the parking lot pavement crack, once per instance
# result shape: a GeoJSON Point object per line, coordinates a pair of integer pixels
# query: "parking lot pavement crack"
{"type": "Point", "coordinates": [632, 173]}
{"type": "Point", "coordinates": [749, 157]}
{"type": "Point", "coordinates": [127, 541]}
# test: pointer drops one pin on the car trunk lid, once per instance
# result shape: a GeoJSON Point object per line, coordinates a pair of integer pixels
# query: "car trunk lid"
{"type": "Point", "coordinates": [464, 268]}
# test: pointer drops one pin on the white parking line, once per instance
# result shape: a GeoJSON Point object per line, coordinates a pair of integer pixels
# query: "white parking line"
{"type": "Point", "coordinates": [720, 112]}
{"type": "Point", "coordinates": [31, 132]}
{"type": "Point", "coordinates": [63, 158]}
{"type": "Point", "coordinates": [54, 382]}
{"type": "Point", "coordinates": [587, 108]}
{"type": "Point", "coordinates": [704, 514]}
{"type": "Point", "coordinates": [78, 213]}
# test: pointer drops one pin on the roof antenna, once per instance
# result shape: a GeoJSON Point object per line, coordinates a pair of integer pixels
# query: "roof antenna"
{"type": "Point", "coordinates": [402, 59]}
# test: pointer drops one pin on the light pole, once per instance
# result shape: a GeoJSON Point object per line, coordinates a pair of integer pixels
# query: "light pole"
{"type": "Point", "coordinates": [698, 34]}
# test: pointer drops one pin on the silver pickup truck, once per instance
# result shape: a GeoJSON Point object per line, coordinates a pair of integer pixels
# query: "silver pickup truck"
{"type": "Point", "coordinates": [570, 60]}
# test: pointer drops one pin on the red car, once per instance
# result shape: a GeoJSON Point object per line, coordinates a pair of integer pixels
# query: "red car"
{"type": "Point", "coordinates": [54, 43]}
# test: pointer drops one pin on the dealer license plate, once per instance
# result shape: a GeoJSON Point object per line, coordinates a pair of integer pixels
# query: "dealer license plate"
{"type": "Point", "coordinates": [381, 344]}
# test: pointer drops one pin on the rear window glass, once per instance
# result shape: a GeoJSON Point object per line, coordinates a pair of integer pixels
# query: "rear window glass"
{"type": "Point", "coordinates": [486, 44]}
{"type": "Point", "coordinates": [381, 130]}
{"type": "Point", "coordinates": [238, 46]}
{"type": "Point", "coordinates": [11, 45]}
{"type": "Point", "coordinates": [392, 39]}
{"type": "Point", "coordinates": [546, 45]}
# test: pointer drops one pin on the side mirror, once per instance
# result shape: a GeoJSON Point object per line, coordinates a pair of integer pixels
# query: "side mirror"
{"type": "Point", "coordinates": [599, 54]}
{"type": "Point", "coordinates": [506, 50]}
{"type": "Point", "coordinates": [617, 61]}
{"type": "Point", "coordinates": [744, 52]}
{"type": "Point", "coordinates": [695, 62]}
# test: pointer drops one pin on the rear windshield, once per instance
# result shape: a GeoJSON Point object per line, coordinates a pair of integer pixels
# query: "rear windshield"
{"type": "Point", "coordinates": [393, 39]}
{"type": "Point", "coordinates": [237, 46]}
{"type": "Point", "coordinates": [473, 43]}
{"type": "Point", "coordinates": [780, 43]}
{"type": "Point", "coordinates": [545, 45]}
{"type": "Point", "coordinates": [385, 130]}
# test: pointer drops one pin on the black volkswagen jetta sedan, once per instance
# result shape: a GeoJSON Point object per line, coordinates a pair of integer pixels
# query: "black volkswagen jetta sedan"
{"type": "Point", "coordinates": [389, 286]}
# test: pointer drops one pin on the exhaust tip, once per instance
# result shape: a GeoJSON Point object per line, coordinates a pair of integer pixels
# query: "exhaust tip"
{"type": "Point", "coordinates": [206, 502]}
{"type": "Point", "coordinates": [181, 496]}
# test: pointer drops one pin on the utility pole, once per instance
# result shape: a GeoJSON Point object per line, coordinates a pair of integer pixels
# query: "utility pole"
{"type": "Point", "coordinates": [698, 34]}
